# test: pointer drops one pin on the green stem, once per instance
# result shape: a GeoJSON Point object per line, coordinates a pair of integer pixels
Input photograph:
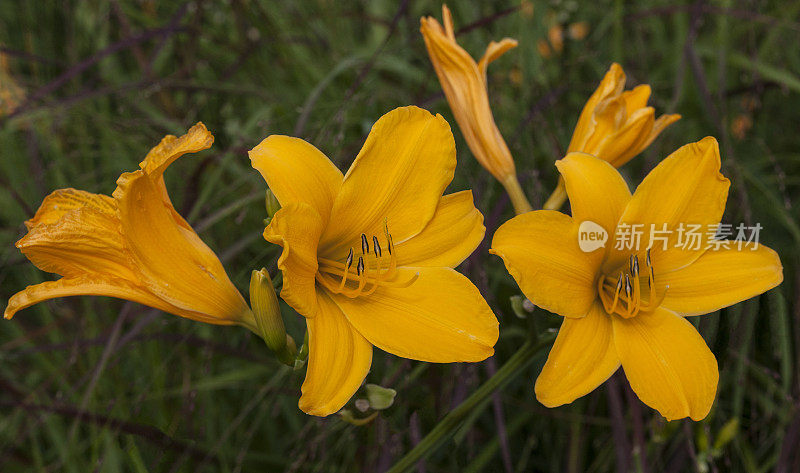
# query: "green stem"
{"type": "Point", "coordinates": [447, 427]}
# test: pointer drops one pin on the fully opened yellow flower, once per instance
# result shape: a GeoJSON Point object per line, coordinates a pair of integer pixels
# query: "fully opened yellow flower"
{"type": "Point", "coordinates": [625, 304]}
{"type": "Point", "coordinates": [464, 84]}
{"type": "Point", "coordinates": [615, 125]}
{"type": "Point", "coordinates": [367, 257]}
{"type": "Point", "coordinates": [133, 246]}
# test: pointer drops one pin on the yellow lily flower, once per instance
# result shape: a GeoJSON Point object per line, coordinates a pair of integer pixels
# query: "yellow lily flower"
{"type": "Point", "coordinates": [132, 246]}
{"type": "Point", "coordinates": [464, 84]}
{"type": "Point", "coordinates": [625, 304]}
{"type": "Point", "coordinates": [367, 257]}
{"type": "Point", "coordinates": [615, 125]}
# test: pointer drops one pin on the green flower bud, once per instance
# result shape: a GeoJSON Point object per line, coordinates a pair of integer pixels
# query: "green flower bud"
{"type": "Point", "coordinates": [379, 397]}
{"type": "Point", "coordinates": [267, 312]}
{"type": "Point", "coordinates": [272, 204]}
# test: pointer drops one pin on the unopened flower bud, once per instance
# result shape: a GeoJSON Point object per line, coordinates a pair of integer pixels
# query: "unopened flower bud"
{"type": "Point", "coordinates": [271, 203]}
{"type": "Point", "coordinates": [379, 397]}
{"type": "Point", "coordinates": [264, 303]}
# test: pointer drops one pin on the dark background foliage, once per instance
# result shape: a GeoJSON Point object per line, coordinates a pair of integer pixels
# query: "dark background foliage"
{"type": "Point", "coordinates": [88, 86]}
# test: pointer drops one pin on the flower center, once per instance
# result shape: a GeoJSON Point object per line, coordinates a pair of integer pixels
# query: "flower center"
{"type": "Point", "coordinates": [360, 274]}
{"type": "Point", "coordinates": [621, 291]}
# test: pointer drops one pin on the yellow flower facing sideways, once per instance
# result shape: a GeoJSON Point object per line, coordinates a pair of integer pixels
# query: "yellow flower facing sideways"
{"type": "Point", "coordinates": [615, 125]}
{"type": "Point", "coordinates": [132, 246]}
{"type": "Point", "coordinates": [367, 257]}
{"type": "Point", "coordinates": [464, 84]}
{"type": "Point", "coordinates": [625, 304]}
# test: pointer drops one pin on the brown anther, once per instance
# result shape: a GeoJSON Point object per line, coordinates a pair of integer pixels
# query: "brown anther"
{"type": "Point", "coordinates": [349, 261]}
{"type": "Point", "coordinates": [628, 287]}
{"type": "Point", "coordinates": [364, 244]}
{"type": "Point", "coordinates": [376, 247]}
{"type": "Point", "coordinates": [360, 266]}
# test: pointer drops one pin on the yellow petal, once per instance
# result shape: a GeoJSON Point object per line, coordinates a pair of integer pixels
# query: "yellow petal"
{"type": "Point", "coordinates": [182, 271]}
{"type": "Point", "coordinates": [339, 359]}
{"type": "Point", "coordinates": [440, 318]}
{"type": "Point", "coordinates": [685, 188]}
{"type": "Point", "coordinates": [631, 138]}
{"type": "Point", "coordinates": [297, 228]}
{"type": "Point", "coordinates": [296, 171]}
{"type": "Point", "coordinates": [95, 285]}
{"type": "Point", "coordinates": [82, 241]}
{"type": "Point", "coordinates": [597, 193]}
{"type": "Point", "coordinates": [667, 363]}
{"type": "Point", "coordinates": [494, 51]}
{"type": "Point", "coordinates": [453, 233]}
{"type": "Point", "coordinates": [398, 177]}
{"type": "Point", "coordinates": [171, 148]}
{"type": "Point", "coordinates": [62, 201]}
{"type": "Point", "coordinates": [612, 84]}
{"type": "Point", "coordinates": [583, 356]}
{"type": "Point", "coordinates": [464, 85]}
{"type": "Point", "coordinates": [540, 250]}
{"type": "Point", "coordinates": [721, 277]}
{"type": "Point", "coordinates": [636, 98]}
{"type": "Point", "coordinates": [660, 125]}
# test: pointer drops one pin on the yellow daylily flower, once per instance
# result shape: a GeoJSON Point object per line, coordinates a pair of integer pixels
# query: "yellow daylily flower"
{"type": "Point", "coordinates": [615, 125]}
{"type": "Point", "coordinates": [132, 246]}
{"type": "Point", "coordinates": [627, 306]}
{"type": "Point", "coordinates": [367, 257]}
{"type": "Point", "coordinates": [464, 84]}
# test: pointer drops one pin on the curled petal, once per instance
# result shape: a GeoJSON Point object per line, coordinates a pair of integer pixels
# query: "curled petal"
{"type": "Point", "coordinates": [297, 228]}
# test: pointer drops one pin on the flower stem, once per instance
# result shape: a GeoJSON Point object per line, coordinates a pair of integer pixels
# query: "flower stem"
{"type": "Point", "coordinates": [557, 198]}
{"type": "Point", "coordinates": [518, 199]}
{"type": "Point", "coordinates": [447, 427]}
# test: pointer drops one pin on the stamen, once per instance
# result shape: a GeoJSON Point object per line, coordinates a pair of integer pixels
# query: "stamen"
{"type": "Point", "coordinates": [347, 266]}
{"type": "Point", "coordinates": [364, 245]}
{"type": "Point", "coordinates": [616, 294]}
{"type": "Point", "coordinates": [628, 290]}
{"type": "Point", "coordinates": [376, 247]}
{"type": "Point", "coordinates": [349, 261]}
{"type": "Point", "coordinates": [360, 266]}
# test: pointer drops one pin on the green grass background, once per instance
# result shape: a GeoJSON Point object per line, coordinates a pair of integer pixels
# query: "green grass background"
{"type": "Point", "coordinates": [95, 384]}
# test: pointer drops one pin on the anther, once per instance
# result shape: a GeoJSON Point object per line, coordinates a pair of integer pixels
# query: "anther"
{"type": "Point", "coordinates": [349, 261]}
{"type": "Point", "coordinates": [364, 245]}
{"type": "Point", "coordinates": [635, 266]}
{"type": "Point", "coordinates": [647, 259]}
{"type": "Point", "coordinates": [389, 243]}
{"type": "Point", "coordinates": [376, 247]}
{"type": "Point", "coordinates": [628, 287]}
{"type": "Point", "coordinates": [360, 266]}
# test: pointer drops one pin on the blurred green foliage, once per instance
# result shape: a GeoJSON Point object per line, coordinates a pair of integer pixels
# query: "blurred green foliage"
{"type": "Point", "coordinates": [94, 384]}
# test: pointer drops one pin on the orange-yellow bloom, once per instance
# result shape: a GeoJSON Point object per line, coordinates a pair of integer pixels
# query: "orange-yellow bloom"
{"type": "Point", "coordinates": [367, 257]}
{"type": "Point", "coordinates": [615, 125]}
{"type": "Point", "coordinates": [464, 84]}
{"type": "Point", "coordinates": [625, 304]}
{"type": "Point", "coordinates": [133, 246]}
